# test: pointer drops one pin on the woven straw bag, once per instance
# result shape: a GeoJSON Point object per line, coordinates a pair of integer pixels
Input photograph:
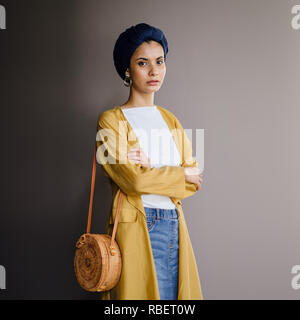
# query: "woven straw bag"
{"type": "Point", "coordinates": [98, 260]}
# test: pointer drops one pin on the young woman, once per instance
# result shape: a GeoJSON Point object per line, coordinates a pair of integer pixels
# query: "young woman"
{"type": "Point", "coordinates": [158, 261]}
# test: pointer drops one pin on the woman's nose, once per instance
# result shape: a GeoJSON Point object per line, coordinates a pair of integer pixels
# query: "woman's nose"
{"type": "Point", "coordinates": [153, 70]}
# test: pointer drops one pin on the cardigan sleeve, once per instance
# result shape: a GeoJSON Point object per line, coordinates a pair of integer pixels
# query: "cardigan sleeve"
{"type": "Point", "coordinates": [187, 158]}
{"type": "Point", "coordinates": [132, 178]}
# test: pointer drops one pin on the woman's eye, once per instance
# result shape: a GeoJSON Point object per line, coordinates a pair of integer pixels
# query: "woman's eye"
{"type": "Point", "coordinates": [145, 62]}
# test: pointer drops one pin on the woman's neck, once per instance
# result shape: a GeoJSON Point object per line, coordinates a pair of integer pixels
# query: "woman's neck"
{"type": "Point", "coordinates": [125, 106]}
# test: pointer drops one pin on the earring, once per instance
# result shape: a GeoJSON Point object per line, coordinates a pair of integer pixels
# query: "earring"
{"type": "Point", "coordinates": [127, 81]}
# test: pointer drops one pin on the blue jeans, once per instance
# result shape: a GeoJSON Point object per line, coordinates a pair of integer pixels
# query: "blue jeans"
{"type": "Point", "coordinates": [162, 226]}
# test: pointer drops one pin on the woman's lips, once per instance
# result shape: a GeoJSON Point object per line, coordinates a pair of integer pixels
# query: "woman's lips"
{"type": "Point", "coordinates": [152, 83]}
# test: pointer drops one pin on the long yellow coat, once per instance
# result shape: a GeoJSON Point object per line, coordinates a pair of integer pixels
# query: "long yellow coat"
{"type": "Point", "coordinates": [138, 277]}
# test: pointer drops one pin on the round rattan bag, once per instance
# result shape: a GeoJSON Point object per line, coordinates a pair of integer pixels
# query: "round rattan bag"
{"type": "Point", "coordinates": [98, 260]}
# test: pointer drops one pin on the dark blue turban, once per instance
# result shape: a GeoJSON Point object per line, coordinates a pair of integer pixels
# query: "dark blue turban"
{"type": "Point", "coordinates": [130, 39]}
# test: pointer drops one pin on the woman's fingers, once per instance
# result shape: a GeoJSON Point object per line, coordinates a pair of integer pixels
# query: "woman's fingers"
{"type": "Point", "coordinates": [199, 183]}
{"type": "Point", "coordinates": [138, 156]}
{"type": "Point", "coordinates": [134, 152]}
{"type": "Point", "coordinates": [133, 157]}
{"type": "Point", "coordinates": [196, 179]}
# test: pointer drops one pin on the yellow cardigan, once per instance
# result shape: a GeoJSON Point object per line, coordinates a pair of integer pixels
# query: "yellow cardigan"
{"type": "Point", "coordinates": [138, 277]}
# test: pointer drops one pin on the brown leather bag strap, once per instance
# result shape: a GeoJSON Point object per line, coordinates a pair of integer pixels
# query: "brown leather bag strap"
{"type": "Point", "coordinates": [92, 192]}
{"type": "Point", "coordinates": [91, 204]}
{"type": "Point", "coordinates": [112, 250]}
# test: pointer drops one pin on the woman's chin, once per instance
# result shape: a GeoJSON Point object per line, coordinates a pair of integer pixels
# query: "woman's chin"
{"type": "Point", "coordinates": [152, 89]}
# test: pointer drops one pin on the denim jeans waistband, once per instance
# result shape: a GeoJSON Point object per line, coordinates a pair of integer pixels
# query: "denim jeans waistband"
{"type": "Point", "coordinates": [165, 214]}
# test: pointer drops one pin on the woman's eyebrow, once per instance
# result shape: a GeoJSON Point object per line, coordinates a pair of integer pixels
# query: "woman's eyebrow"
{"type": "Point", "coordinates": [147, 59]}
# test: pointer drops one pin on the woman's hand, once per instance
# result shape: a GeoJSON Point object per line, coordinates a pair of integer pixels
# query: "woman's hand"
{"type": "Point", "coordinates": [193, 175]}
{"type": "Point", "coordinates": [137, 155]}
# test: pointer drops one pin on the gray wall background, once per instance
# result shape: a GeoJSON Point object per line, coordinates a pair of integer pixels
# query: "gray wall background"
{"type": "Point", "coordinates": [232, 70]}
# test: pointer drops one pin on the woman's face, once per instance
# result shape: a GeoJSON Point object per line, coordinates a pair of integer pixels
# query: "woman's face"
{"type": "Point", "coordinates": [147, 63]}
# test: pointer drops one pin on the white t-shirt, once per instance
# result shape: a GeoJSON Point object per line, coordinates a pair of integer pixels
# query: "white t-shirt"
{"type": "Point", "coordinates": [157, 143]}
